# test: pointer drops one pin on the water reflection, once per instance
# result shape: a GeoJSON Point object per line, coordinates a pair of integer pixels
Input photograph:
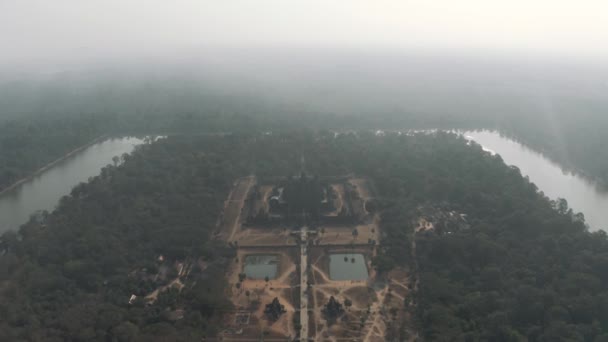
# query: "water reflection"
{"type": "Point", "coordinates": [582, 195]}
{"type": "Point", "coordinates": [261, 266]}
{"type": "Point", "coordinates": [44, 191]}
{"type": "Point", "coordinates": [347, 267]}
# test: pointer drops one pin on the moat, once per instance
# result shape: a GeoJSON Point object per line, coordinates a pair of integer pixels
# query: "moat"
{"type": "Point", "coordinates": [43, 191]}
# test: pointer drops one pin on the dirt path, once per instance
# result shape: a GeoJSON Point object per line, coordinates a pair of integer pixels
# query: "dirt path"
{"type": "Point", "coordinates": [362, 188]}
{"type": "Point", "coordinates": [237, 201]}
{"type": "Point", "coordinates": [377, 323]}
{"type": "Point", "coordinates": [286, 273]}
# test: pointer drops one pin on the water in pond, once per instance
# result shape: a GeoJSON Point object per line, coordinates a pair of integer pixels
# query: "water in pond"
{"type": "Point", "coordinates": [581, 194]}
{"type": "Point", "coordinates": [261, 266]}
{"type": "Point", "coordinates": [347, 267]}
{"type": "Point", "coordinates": [44, 191]}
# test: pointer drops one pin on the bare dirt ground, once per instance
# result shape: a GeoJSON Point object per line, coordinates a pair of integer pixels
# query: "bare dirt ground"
{"type": "Point", "coordinates": [343, 235]}
{"type": "Point", "coordinates": [362, 188]}
{"type": "Point", "coordinates": [339, 200]}
{"type": "Point", "coordinates": [251, 237]}
{"type": "Point", "coordinates": [376, 304]}
{"type": "Point", "coordinates": [231, 219]}
{"type": "Point", "coordinates": [265, 194]}
{"type": "Point", "coordinates": [375, 308]}
{"type": "Point", "coordinates": [252, 296]}
{"type": "Point", "coordinates": [366, 231]}
{"type": "Point", "coordinates": [362, 320]}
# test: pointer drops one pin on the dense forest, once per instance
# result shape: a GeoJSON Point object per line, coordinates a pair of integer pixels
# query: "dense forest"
{"type": "Point", "coordinates": [523, 268]}
{"type": "Point", "coordinates": [70, 275]}
{"type": "Point", "coordinates": [27, 145]}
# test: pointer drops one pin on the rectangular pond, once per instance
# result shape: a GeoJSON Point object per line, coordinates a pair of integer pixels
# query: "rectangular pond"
{"type": "Point", "coordinates": [261, 266]}
{"type": "Point", "coordinates": [344, 266]}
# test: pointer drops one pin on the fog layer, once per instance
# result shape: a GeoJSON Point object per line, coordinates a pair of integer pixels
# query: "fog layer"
{"type": "Point", "coordinates": [71, 31]}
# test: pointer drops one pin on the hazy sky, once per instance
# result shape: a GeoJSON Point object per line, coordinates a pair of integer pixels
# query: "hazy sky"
{"type": "Point", "coordinates": [34, 30]}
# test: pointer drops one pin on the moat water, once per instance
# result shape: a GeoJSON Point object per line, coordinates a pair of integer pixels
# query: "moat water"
{"type": "Point", "coordinates": [582, 194]}
{"type": "Point", "coordinates": [43, 191]}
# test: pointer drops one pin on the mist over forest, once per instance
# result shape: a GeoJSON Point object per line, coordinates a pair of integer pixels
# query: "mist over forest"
{"type": "Point", "coordinates": [298, 170]}
{"type": "Point", "coordinates": [556, 106]}
{"type": "Point", "coordinates": [335, 82]}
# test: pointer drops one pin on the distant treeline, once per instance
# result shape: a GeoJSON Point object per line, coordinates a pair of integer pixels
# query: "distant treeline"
{"type": "Point", "coordinates": [576, 141]}
{"type": "Point", "coordinates": [59, 114]}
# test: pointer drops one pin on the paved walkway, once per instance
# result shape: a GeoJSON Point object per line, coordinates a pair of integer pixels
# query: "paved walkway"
{"type": "Point", "coordinates": [303, 285]}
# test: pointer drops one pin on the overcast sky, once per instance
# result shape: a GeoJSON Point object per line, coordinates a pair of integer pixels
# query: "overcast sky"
{"type": "Point", "coordinates": [39, 30]}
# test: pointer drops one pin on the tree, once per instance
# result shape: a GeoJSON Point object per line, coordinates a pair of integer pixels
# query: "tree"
{"type": "Point", "coordinates": [274, 310]}
{"type": "Point", "coordinates": [332, 310]}
{"type": "Point", "coordinates": [383, 263]}
{"type": "Point", "coordinates": [125, 332]}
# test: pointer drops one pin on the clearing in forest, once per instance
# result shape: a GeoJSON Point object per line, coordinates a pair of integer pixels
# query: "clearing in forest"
{"type": "Point", "coordinates": [289, 223]}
